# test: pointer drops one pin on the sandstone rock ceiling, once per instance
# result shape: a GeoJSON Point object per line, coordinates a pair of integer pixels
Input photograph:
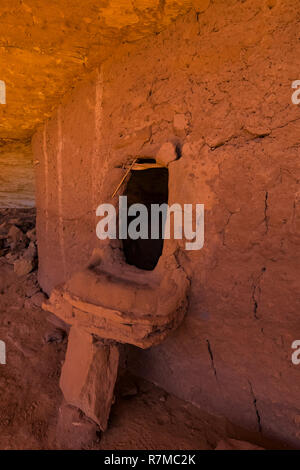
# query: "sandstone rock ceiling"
{"type": "Point", "coordinates": [46, 45]}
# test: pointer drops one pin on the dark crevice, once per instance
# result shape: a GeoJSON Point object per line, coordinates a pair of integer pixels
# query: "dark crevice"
{"type": "Point", "coordinates": [146, 160]}
{"type": "Point", "coordinates": [255, 309]}
{"type": "Point", "coordinates": [178, 151]}
{"type": "Point", "coordinates": [256, 291]}
{"type": "Point", "coordinates": [262, 136]}
{"type": "Point", "coordinates": [255, 408]}
{"type": "Point", "coordinates": [266, 212]}
{"type": "Point", "coordinates": [211, 358]}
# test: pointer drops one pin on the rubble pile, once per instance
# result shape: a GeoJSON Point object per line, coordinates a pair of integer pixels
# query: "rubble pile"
{"type": "Point", "coordinates": [18, 239]}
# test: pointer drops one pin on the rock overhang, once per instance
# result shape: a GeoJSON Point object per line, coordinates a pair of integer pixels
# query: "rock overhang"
{"type": "Point", "coordinates": [45, 48]}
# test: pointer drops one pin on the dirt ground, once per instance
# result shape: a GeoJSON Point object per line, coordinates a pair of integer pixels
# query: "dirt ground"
{"type": "Point", "coordinates": [33, 414]}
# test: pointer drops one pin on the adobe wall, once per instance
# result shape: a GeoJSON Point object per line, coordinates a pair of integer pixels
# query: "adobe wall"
{"type": "Point", "coordinates": [218, 85]}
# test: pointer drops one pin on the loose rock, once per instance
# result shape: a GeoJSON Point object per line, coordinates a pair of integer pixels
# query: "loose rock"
{"type": "Point", "coordinates": [16, 238]}
{"type": "Point", "coordinates": [23, 266]}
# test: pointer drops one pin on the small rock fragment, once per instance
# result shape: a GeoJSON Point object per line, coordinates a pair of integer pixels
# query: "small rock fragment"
{"type": "Point", "coordinates": [31, 234]}
{"type": "Point", "coordinates": [23, 266]}
{"type": "Point", "coordinates": [11, 258]}
{"type": "Point", "coordinates": [32, 289]}
{"type": "Point", "coordinates": [166, 154]}
{"type": "Point", "coordinates": [16, 238]}
{"type": "Point", "coordinates": [31, 252]}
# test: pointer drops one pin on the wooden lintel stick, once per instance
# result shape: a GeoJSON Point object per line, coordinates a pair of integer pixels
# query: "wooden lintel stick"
{"type": "Point", "coordinates": [123, 179]}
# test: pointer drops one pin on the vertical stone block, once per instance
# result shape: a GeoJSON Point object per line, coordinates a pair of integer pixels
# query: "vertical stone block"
{"type": "Point", "coordinates": [89, 374]}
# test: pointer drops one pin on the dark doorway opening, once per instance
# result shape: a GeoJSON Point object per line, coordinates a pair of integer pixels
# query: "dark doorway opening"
{"type": "Point", "coordinates": [146, 187]}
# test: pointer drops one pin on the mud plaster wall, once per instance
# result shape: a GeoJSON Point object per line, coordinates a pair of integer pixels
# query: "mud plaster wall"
{"type": "Point", "coordinates": [218, 84]}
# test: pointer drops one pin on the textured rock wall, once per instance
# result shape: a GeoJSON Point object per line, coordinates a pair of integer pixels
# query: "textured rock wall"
{"type": "Point", "coordinates": [17, 182]}
{"type": "Point", "coordinates": [218, 84]}
{"type": "Point", "coordinates": [47, 47]}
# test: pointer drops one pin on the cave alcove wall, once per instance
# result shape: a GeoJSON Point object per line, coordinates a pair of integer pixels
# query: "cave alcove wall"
{"type": "Point", "coordinates": [219, 86]}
